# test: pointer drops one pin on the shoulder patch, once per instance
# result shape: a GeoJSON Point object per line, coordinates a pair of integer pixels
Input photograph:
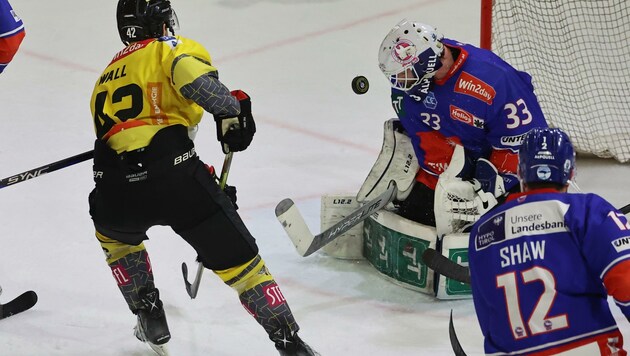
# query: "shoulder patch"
{"type": "Point", "coordinates": [170, 40]}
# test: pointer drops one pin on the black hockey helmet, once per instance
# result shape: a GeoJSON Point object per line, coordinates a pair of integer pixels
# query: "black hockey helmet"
{"type": "Point", "coordinates": [142, 19]}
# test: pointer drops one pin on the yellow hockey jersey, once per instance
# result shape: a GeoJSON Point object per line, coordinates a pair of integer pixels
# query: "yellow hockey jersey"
{"type": "Point", "coordinates": [138, 93]}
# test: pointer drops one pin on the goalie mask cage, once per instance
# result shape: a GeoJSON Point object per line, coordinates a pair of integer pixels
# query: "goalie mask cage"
{"type": "Point", "coordinates": [578, 53]}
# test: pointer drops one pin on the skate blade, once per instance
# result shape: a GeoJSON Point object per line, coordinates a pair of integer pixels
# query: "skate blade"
{"type": "Point", "coordinates": [161, 350]}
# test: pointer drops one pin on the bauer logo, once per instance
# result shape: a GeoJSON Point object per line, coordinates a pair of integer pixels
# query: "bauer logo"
{"type": "Point", "coordinates": [273, 295]}
{"type": "Point", "coordinates": [468, 84]}
{"type": "Point", "coordinates": [622, 244]}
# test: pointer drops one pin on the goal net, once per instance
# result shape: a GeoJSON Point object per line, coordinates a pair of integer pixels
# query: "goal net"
{"type": "Point", "coordinates": [578, 53]}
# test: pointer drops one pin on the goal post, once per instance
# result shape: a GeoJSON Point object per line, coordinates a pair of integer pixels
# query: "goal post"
{"type": "Point", "coordinates": [578, 53]}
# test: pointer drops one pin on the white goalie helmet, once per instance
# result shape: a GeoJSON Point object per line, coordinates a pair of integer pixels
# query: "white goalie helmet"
{"type": "Point", "coordinates": [410, 55]}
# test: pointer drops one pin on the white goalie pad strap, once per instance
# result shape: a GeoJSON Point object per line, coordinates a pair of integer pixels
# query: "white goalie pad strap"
{"type": "Point", "coordinates": [459, 203]}
{"type": "Point", "coordinates": [348, 245]}
{"type": "Point", "coordinates": [397, 161]}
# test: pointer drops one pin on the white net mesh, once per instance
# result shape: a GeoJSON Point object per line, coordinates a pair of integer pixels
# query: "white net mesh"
{"type": "Point", "coordinates": [578, 52]}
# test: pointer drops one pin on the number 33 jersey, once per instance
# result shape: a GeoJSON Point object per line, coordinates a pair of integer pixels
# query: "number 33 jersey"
{"type": "Point", "coordinates": [542, 266]}
{"type": "Point", "coordinates": [138, 93]}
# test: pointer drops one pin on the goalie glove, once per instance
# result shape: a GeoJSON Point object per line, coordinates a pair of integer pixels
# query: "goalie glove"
{"type": "Point", "coordinates": [459, 203]}
{"type": "Point", "coordinates": [236, 133]}
{"type": "Point", "coordinates": [493, 182]}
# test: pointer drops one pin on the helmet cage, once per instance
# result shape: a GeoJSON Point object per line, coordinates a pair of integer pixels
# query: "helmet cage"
{"type": "Point", "coordinates": [407, 77]}
{"type": "Point", "coordinates": [410, 55]}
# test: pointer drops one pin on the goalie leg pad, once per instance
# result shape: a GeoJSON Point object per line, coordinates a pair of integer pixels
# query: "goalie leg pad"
{"type": "Point", "coordinates": [348, 245]}
{"type": "Point", "coordinates": [455, 248]}
{"type": "Point", "coordinates": [394, 246]}
{"type": "Point", "coordinates": [397, 161]}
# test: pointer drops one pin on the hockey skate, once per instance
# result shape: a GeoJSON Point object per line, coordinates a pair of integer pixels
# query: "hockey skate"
{"type": "Point", "coordinates": [289, 344]}
{"type": "Point", "coordinates": [152, 327]}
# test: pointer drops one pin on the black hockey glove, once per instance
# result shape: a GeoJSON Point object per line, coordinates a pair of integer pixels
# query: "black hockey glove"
{"type": "Point", "coordinates": [236, 133]}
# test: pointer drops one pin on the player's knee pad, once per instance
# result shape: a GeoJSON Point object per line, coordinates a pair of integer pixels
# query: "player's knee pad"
{"type": "Point", "coordinates": [260, 295]}
{"type": "Point", "coordinates": [246, 275]}
{"type": "Point", "coordinates": [130, 266]}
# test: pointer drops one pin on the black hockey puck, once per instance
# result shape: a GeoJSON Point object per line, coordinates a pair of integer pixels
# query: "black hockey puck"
{"type": "Point", "coordinates": [360, 85]}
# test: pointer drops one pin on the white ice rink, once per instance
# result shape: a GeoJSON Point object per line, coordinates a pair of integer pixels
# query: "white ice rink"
{"type": "Point", "coordinates": [296, 59]}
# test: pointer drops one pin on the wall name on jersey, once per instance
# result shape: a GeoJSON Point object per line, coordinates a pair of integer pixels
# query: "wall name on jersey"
{"type": "Point", "coordinates": [622, 244]}
{"type": "Point", "coordinates": [468, 84]}
{"type": "Point", "coordinates": [523, 252]}
{"type": "Point", "coordinates": [113, 75]}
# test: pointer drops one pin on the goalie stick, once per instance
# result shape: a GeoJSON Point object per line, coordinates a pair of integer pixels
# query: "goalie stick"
{"type": "Point", "coordinates": [19, 304]}
{"type": "Point", "coordinates": [302, 238]}
{"type": "Point", "coordinates": [450, 269]}
{"type": "Point", "coordinates": [193, 288]}
{"type": "Point", "coordinates": [51, 167]}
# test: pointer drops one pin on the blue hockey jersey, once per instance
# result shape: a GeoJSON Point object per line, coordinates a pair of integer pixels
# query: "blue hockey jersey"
{"type": "Point", "coordinates": [483, 104]}
{"type": "Point", "coordinates": [541, 267]}
{"type": "Point", "coordinates": [11, 33]}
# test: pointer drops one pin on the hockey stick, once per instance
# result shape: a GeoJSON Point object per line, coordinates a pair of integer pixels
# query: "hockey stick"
{"type": "Point", "coordinates": [193, 288]}
{"type": "Point", "coordinates": [302, 238]}
{"type": "Point", "coordinates": [444, 266]}
{"type": "Point", "coordinates": [51, 167]}
{"type": "Point", "coordinates": [450, 269]}
{"type": "Point", "coordinates": [457, 347]}
{"type": "Point", "coordinates": [19, 304]}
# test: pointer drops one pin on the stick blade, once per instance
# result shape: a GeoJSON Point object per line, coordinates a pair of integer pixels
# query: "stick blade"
{"type": "Point", "coordinates": [186, 283]}
{"type": "Point", "coordinates": [21, 303]}
{"type": "Point", "coordinates": [293, 223]}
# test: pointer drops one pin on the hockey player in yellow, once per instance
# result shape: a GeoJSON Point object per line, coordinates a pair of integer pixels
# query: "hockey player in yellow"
{"type": "Point", "coordinates": [146, 105]}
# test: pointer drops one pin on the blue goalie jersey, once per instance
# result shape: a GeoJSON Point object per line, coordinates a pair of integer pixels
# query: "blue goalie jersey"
{"type": "Point", "coordinates": [542, 266]}
{"type": "Point", "coordinates": [482, 103]}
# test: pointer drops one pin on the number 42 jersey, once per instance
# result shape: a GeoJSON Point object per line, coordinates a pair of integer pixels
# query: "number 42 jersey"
{"type": "Point", "coordinates": [542, 266]}
{"type": "Point", "coordinates": [138, 93]}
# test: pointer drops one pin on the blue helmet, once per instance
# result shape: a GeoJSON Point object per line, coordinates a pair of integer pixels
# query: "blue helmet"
{"type": "Point", "coordinates": [546, 156]}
